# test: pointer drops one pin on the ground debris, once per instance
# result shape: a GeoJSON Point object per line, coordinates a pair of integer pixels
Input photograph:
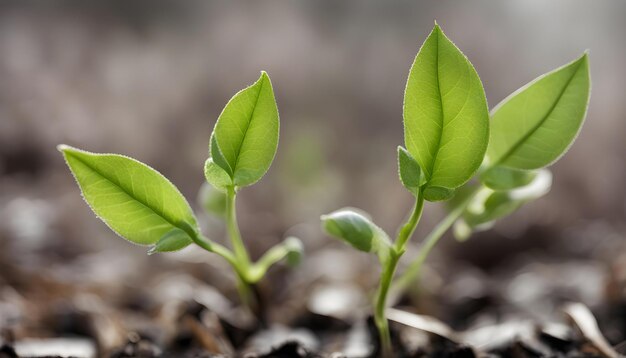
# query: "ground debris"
{"type": "Point", "coordinates": [291, 349]}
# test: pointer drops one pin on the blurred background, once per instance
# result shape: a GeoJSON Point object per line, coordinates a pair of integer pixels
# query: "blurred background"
{"type": "Point", "coordinates": [149, 78]}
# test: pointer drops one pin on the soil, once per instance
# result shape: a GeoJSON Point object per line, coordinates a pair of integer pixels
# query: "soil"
{"type": "Point", "coordinates": [566, 301]}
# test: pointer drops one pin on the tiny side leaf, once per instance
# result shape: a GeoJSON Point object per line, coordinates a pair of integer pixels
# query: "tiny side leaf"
{"type": "Point", "coordinates": [174, 240]}
{"type": "Point", "coordinates": [409, 171]}
{"type": "Point", "coordinates": [216, 175]}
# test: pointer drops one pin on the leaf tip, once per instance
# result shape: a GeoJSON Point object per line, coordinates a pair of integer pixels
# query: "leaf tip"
{"type": "Point", "coordinates": [63, 148]}
{"type": "Point", "coordinates": [437, 28]}
{"type": "Point", "coordinates": [585, 57]}
{"type": "Point", "coordinates": [264, 76]}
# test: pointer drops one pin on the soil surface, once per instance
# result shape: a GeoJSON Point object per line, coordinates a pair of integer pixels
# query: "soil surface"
{"type": "Point", "coordinates": [564, 303]}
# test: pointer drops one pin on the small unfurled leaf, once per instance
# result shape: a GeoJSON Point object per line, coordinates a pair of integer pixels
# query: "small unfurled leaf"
{"type": "Point", "coordinates": [535, 125]}
{"type": "Point", "coordinates": [245, 137]}
{"type": "Point", "coordinates": [213, 200]}
{"type": "Point", "coordinates": [174, 240]}
{"type": "Point", "coordinates": [216, 176]}
{"type": "Point", "coordinates": [355, 229]}
{"type": "Point", "coordinates": [446, 120]}
{"type": "Point", "coordinates": [134, 200]}
{"type": "Point", "coordinates": [295, 251]}
{"type": "Point", "coordinates": [410, 171]}
{"type": "Point", "coordinates": [488, 205]}
{"type": "Point", "coordinates": [502, 178]}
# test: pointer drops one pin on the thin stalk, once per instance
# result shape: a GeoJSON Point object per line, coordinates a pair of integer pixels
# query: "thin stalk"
{"type": "Point", "coordinates": [243, 287]}
{"type": "Point", "coordinates": [413, 271]}
{"type": "Point", "coordinates": [386, 275]}
{"type": "Point", "coordinates": [241, 257]}
{"type": "Point", "coordinates": [241, 254]}
{"type": "Point", "coordinates": [408, 228]}
{"type": "Point", "coordinates": [380, 319]}
{"type": "Point", "coordinates": [210, 246]}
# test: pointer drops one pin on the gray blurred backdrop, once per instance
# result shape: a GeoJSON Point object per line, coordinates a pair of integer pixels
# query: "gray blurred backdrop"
{"type": "Point", "coordinates": [148, 79]}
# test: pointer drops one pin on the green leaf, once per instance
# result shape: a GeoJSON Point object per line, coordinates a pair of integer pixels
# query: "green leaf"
{"type": "Point", "coordinates": [355, 229]}
{"type": "Point", "coordinates": [245, 137]}
{"type": "Point", "coordinates": [502, 178]}
{"type": "Point", "coordinates": [216, 176]}
{"type": "Point", "coordinates": [446, 120]}
{"type": "Point", "coordinates": [174, 240]}
{"type": "Point", "coordinates": [537, 124]}
{"type": "Point", "coordinates": [134, 200]}
{"type": "Point", "coordinates": [410, 171]}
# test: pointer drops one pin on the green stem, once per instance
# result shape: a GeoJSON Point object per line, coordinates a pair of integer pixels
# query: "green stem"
{"type": "Point", "coordinates": [214, 247]}
{"type": "Point", "coordinates": [408, 228]}
{"type": "Point", "coordinates": [380, 319]}
{"type": "Point", "coordinates": [243, 287]}
{"type": "Point", "coordinates": [386, 275]}
{"type": "Point", "coordinates": [413, 271]}
{"type": "Point", "coordinates": [241, 254]}
{"type": "Point", "coordinates": [242, 259]}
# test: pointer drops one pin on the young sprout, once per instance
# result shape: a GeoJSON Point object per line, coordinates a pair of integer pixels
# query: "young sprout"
{"type": "Point", "coordinates": [145, 208]}
{"type": "Point", "coordinates": [449, 140]}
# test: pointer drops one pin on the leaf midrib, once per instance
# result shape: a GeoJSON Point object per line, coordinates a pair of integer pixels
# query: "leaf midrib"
{"type": "Point", "coordinates": [536, 127]}
{"type": "Point", "coordinates": [119, 186]}
{"type": "Point", "coordinates": [245, 133]}
{"type": "Point", "coordinates": [432, 165]}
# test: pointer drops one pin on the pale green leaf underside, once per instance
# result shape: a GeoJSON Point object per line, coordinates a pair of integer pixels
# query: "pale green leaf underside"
{"type": "Point", "coordinates": [351, 227]}
{"type": "Point", "coordinates": [534, 126]}
{"type": "Point", "coordinates": [409, 171]}
{"type": "Point", "coordinates": [246, 133]}
{"type": "Point", "coordinates": [173, 240]}
{"type": "Point", "coordinates": [446, 120]}
{"type": "Point", "coordinates": [503, 178]}
{"type": "Point", "coordinates": [357, 229]}
{"type": "Point", "coordinates": [134, 200]}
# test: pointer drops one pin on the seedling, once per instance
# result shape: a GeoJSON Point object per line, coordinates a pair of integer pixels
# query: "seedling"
{"type": "Point", "coordinates": [449, 140]}
{"type": "Point", "coordinates": [145, 208]}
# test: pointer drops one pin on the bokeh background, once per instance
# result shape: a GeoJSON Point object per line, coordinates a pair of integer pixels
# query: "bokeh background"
{"type": "Point", "coordinates": [149, 78]}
